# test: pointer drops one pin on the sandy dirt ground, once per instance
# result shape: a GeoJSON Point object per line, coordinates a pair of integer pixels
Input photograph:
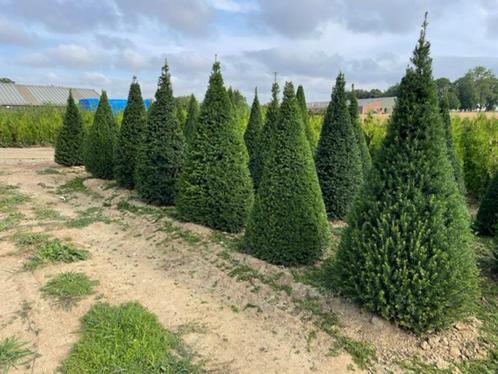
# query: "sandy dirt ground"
{"type": "Point", "coordinates": [238, 314]}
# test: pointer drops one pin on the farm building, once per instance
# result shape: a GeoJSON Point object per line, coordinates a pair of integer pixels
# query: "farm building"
{"type": "Point", "coordinates": [14, 95]}
{"type": "Point", "coordinates": [380, 105]}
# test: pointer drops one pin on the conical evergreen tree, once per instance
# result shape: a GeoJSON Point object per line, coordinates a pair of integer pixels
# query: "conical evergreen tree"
{"type": "Point", "coordinates": [455, 164]}
{"type": "Point", "coordinates": [405, 253]}
{"type": "Point", "coordinates": [215, 187]}
{"type": "Point", "coordinates": [161, 155]}
{"type": "Point", "coordinates": [366, 160]}
{"type": "Point", "coordinates": [130, 137]}
{"type": "Point", "coordinates": [69, 144]}
{"type": "Point", "coordinates": [288, 224]}
{"type": "Point", "coordinates": [487, 215]}
{"type": "Point", "coordinates": [303, 109]}
{"type": "Point", "coordinates": [192, 117]}
{"type": "Point", "coordinates": [269, 128]}
{"type": "Point", "coordinates": [100, 143]}
{"type": "Point", "coordinates": [252, 137]}
{"type": "Point", "coordinates": [338, 160]}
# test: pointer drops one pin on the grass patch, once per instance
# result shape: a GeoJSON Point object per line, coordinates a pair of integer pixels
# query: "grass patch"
{"type": "Point", "coordinates": [10, 220]}
{"type": "Point", "coordinates": [126, 339]}
{"type": "Point", "coordinates": [13, 353]}
{"type": "Point", "coordinates": [176, 232]}
{"type": "Point", "coordinates": [142, 210]}
{"type": "Point", "coordinates": [10, 197]}
{"type": "Point", "coordinates": [87, 217]}
{"type": "Point", "coordinates": [55, 251]}
{"type": "Point", "coordinates": [48, 171]}
{"type": "Point", "coordinates": [47, 214]}
{"type": "Point", "coordinates": [68, 288]}
{"type": "Point", "coordinates": [28, 240]}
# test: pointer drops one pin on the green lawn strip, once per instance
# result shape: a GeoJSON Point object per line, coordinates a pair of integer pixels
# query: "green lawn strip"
{"type": "Point", "coordinates": [55, 251]}
{"type": "Point", "coordinates": [126, 339]}
{"type": "Point", "coordinates": [68, 288]}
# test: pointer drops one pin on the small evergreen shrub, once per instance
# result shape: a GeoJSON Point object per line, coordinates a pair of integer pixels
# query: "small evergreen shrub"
{"type": "Point", "coordinates": [252, 137]}
{"type": "Point", "coordinates": [130, 137]}
{"type": "Point", "coordinates": [100, 143]}
{"type": "Point", "coordinates": [215, 187]}
{"type": "Point", "coordinates": [487, 215]}
{"type": "Point", "coordinates": [338, 160]}
{"type": "Point", "coordinates": [288, 224]}
{"type": "Point", "coordinates": [406, 252]}
{"type": "Point", "coordinates": [161, 155]}
{"type": "Point", "coordinates": [69, 144]}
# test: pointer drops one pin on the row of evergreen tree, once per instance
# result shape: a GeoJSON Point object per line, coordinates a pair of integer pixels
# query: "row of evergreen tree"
{"type": "Point", "coordinates": [406, 253]}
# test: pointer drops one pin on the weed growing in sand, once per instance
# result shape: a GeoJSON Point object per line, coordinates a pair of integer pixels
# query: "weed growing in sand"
{"type": "Point", "coordinates": [68, 288]}
{"type": "Point", "coordinates": [10, 198]}
{"type": "Point", "coordinates": [87, 217]}
{"type": "Point", "coordinates": [55, 251]}
{"type": "Point", "coordinates": [47, 214]}
{"type": "Point", "coordinates": [10, 220]}
{"type": "Point", "coordinates": [48, 171]}
{"type": "Point", "coordinates": [128, 339]}
{"type": "Point", "coordinates": [13, 352]}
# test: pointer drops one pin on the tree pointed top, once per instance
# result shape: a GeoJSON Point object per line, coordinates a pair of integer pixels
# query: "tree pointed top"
{"type": "Point", "coordinates": [275, 89]}
{"type": "Point", "coordinates": [288, 91]}
{"type": "Point", "coordinates": [103, 96]}
{"type": "Point", "coordinates": [134, 79]}
{"type": "Point", "coordinates": [421, 55]}
{"type": "Point", "coordinates": [255, 92]}
{"type": "Point", "coordinates": [216, 67]}
{"type": "Point", "coordinates": [275, 77]}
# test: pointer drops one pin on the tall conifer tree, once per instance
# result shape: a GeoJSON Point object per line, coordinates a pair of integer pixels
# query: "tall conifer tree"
{"type": "Point", "coordinates": [130, 137]}
{"type": "Point", "coordinates": [215, 187]}
{"type": "Point", "coordinates": [303, 109]}
{"type": "Point", "coordinates": [192, 117]}
{"type": "Point", "coordinates": [406, 252]}
{"type": "Point", "coordinates": [338, 160]}
{"type": "Point", "coordinates": [288, 224]}
{"type": "Point", "coordinates": [487, 215]}
{"type": "Point", "coordinates": [252, 139]}
{"type": "Point", "coordinates": [161, 154]}
{"type": "Point", "coordinates": [269, 128]}
{"type": "Point", "coordinates": [100, 143]}
{"type": "Point", "coordinates": [366, 160]}
{"type": "Point", "coordinates": [69, 144]}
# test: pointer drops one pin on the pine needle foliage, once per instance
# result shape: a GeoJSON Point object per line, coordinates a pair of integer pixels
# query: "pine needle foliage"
{"type": "Point", "coordinates": [455, 164]}
{"type": "Point", "coordinates": [338, 160]}
{"type": "Point", "coordinates": [288, 224]}
{"type": "Point", "coordinates": [303, 109]}
{"type": "Point", "coordinates": [366, 160]}
{"type": "Point", "coordinates": [162, 152]}
{"type": "Point", "coordinates": [406, 252]}
{"type": "Point", "coordinates": [192, 117]}
{"type": "Point", "coordinates": [252, 137]}
{"type": "Point", "coordinates": [101, 141]}
{"type": "Point", "coordinates": [130, 137]}
{"type": "Point", "coordinates": [487, 216]}
{"type": "Point", "coordinates": [69, 144]}
{"type": "Point", "coordinates": [215, 187]}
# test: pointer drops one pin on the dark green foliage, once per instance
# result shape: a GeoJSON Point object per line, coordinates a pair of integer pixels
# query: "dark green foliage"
{"type": "Point", "coordinates": [269, 128]}
{"type": "Point", "coordinates": [100, 143]}
{"type": "Point", "coordinates": [303, 109]}
{"type": "Point", "coordinates": [366, 160]}
{"type": "Point", "coordinates": [455, 164]}
{"type": "Point", "coordinates": [406, 252]}
{"type": "Point", "coordinates": [288, 224]}
{"type": "Point", "coordinates": [338, 160]}
{"type": "Point", "coordinates": [487, 216]}
{"type": "Point", "coordinates": [69, 144]}
{"type": "Point", "coordinates": [130, 137]}
{"type": "Point", "coordinates": [252, 139]}
{"type": "Point", "coordinates": [192, 117]}
{"type": "Point", "coordinates": [215, 187]}
{"type": "Point", "coordinates": [161, 154]}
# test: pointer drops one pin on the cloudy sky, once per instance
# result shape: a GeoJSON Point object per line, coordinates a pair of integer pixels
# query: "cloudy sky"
{"type": "Point", "coordinates": [102, 44]}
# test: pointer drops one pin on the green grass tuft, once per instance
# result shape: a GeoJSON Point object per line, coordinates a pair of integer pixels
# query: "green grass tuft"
{"type": "Point", "coordinates": [68, 288]}
{"type": "Point", "coordinates": [47, 214]}
{"type": "Point", "coordinates": [10, 220]}
{"type": "Point", "coordinates": [87, 217]}
{"type": "Point", "coordinates": [55, 251]}
{"type": "Point", "coordinates": [126, 339]}
{"type": "Point", "coordinates": [10, 197]}
{"type": "Point", "coordinates": [13, 352]}
{"type": "Point", "coordinates": [48, 171]}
